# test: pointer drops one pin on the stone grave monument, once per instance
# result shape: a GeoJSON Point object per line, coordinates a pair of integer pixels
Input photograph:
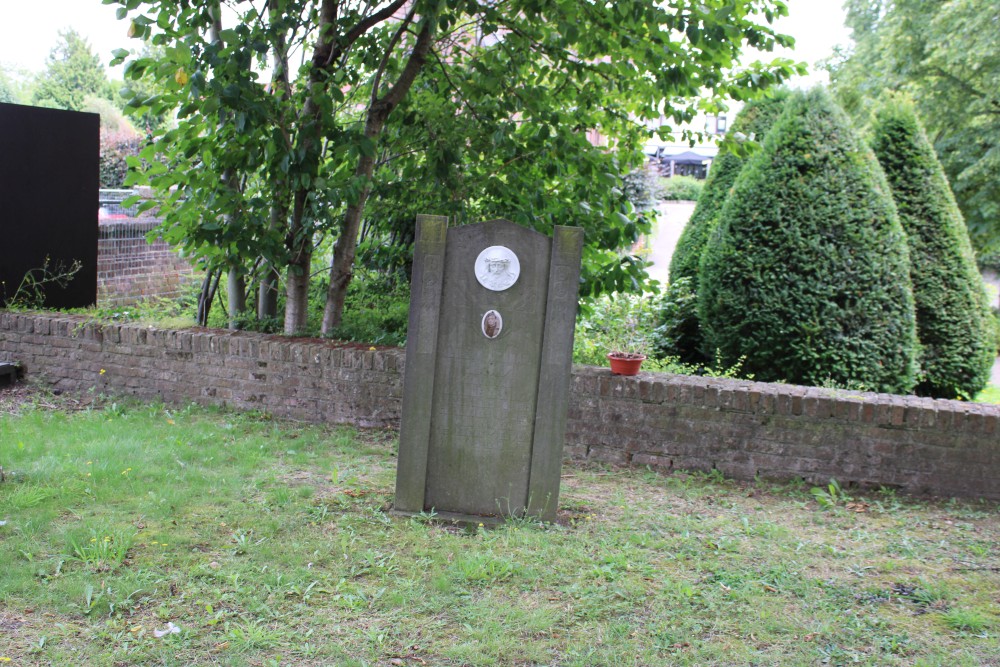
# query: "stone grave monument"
{"type": "Point", "coordinates": [488, 359]}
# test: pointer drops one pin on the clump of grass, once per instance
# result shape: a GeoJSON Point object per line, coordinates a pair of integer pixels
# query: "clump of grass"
{"type": "Point", "coordinates": [965, 620]}
{"type": "Point", "coordinates": [24, 496]}
{"type": "Point", "coordinates": [103, 549]}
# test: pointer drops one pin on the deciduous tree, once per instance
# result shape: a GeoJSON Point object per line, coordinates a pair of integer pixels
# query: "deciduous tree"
{"type": "Point", "coordinates": [944, 54]}
{"type": "Point", "coordinates": [467, 108]}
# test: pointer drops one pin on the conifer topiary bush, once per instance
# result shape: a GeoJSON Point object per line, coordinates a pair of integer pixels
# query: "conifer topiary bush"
{"type": "Point", "coordinates": [753, 121]}
{"type": "Point", "coordinates": [806, 274]}
{"type": "Point", "coordinates": [952, 314]}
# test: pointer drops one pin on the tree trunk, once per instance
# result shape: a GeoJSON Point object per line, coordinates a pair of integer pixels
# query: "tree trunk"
{"type": "Point", "coordinates": [326, 55]}
{"type": "Point", "coordinates": [208, 286]}
{"type": "Point", "coordinates": [267, 294]}
{"type": "Point", "coordinates": [299, 239]}
{"type": "Point", "coordinates": [296, 297]}
{"type": "Point", "coordinates": [237, 293]}
{"type": "Point", "coordinates": [342, 266]}
{"type": "Point", "coordinates": [299, 264]}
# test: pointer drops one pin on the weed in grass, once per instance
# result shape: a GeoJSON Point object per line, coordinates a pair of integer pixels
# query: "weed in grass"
{"type": "Point", "coordinates": [965, 620]}
{"type": "Point", "coordinates": [831, 496]}
{"type": "Point", "coordinates": [244, 542]}
{"type": "Point", "coordinates": [481, 569]}
{"type": "Point", "coordinates": [23, 496]}
{"type": "Point", "coordinates": [103, 549]}
{"type": "Point", "coordinates": [245, 636]}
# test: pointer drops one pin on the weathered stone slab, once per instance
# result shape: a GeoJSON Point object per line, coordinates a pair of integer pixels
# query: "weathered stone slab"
{"type": "Point", "coordinates": [487, 380]}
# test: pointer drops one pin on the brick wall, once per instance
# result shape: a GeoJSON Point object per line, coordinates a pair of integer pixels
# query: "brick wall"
{"type": "Point", "coordinates": [744, 429]}
{"type": "Point", "coordinates": [129, 268]}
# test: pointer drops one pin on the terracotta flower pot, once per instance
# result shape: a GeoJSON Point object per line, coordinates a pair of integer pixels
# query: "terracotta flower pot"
{"type": "Point", "coordinates": [625, 364]}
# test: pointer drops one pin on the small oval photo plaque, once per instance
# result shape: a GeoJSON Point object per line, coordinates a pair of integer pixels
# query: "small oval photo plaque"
{"type": "Point", "coordinates": [492, 324]}
{"type": "Point", "coordinates": [497, 268]}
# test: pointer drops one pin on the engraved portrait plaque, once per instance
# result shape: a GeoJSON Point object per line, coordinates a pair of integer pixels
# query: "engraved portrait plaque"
{"type": "Point", "coordinates": [488, 361]}
{"type": "Point", "coordinates": [497, 268]}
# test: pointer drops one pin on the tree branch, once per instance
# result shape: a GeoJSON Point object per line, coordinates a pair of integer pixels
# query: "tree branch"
{"type": "Point", "coordinates": [366, 24]}
{"type": "Point", "coordinates": [388, 52]}
{"type": "Point", "coordinates": [458, 91]}
{"type": "Point", "coordinates": [964, 85]}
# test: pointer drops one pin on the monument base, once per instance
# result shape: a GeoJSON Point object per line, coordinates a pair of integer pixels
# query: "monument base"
{"type": "Point", "coordinates": [455, 519]}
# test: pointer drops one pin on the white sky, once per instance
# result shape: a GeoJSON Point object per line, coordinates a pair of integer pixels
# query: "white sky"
{"type": "Point", "coordinates": [29, 29]}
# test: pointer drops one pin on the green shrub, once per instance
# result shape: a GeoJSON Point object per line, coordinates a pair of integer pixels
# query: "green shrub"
{"type": "Point", "coordinates": [677, 334]}
{"type": "Point", "coordinates": [641, 188]}
{"type": "Point", "coordinates": [116, 146]}
{"type": "Point", "coordinates": [376, 310]}
{"type": "Point", "coordinates": [680, 188]}
{"type": "Point", "coordinates": [956, 343]}
{"type": "Point", "coordinates": [752, 122]}
{"type": "Point", "coordinates": [807, 272]}
{"type": "Point", "coordinates": [989, 260]}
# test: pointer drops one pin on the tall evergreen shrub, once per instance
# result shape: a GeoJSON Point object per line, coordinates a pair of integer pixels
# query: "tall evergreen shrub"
{"type": "Point", "coordinates": [807, 273]}
{"type": "Point", "coordinates": [681, 334]}
{"type": "Point", "coordinates": [952, 312]}
{"type": "Point", "coordinates": [754, 120]}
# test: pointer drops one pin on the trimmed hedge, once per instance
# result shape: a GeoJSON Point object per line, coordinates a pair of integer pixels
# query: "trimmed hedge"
{"type": "Point", "coordinates": [807, 274]}
{"type": "Point", "coordinates": [754, 120]}
{"type": "Point", "coordinates": [679, 188]}
{"type": "Point", "coordinates": [681, 336]}
{"type": "Point", "coordinates": [952, 314]}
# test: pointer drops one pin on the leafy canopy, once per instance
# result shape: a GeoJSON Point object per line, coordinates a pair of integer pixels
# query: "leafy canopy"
{"type": "Point", "coordinates": [945, 56]}
{"type": "Point", "coordinates": [493, 119]}
{"type": "Point", "coordinates": [72, 74]}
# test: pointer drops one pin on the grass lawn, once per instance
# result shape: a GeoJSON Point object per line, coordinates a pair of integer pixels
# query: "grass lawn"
{"type": "Point", "coordinates": [989, 395]}
{"type": "Point", "coordinates": [254, 542]}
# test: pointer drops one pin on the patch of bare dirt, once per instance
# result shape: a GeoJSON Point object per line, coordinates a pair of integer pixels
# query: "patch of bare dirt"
{"type": "Point", "coordinates": [15, 398]}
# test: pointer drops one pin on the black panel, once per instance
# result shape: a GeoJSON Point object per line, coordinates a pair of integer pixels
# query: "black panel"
{"type": "Point", "coordinates": [49, 185]}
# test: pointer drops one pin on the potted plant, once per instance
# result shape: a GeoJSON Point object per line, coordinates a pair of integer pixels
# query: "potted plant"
{"type": "Point", "coordinates": [628, 350]}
